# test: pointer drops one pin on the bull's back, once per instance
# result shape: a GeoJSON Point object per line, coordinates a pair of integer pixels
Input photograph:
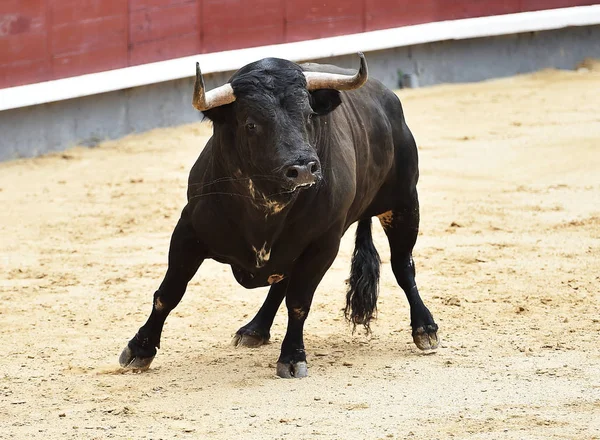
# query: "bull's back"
{"type": "Point", "coordinates": [375, 143]}
{"type": "Point", "coordinates": [393, 151]}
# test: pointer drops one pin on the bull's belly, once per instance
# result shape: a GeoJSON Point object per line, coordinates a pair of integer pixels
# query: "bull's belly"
{"type": "Point", "coordinates": [257, 278]}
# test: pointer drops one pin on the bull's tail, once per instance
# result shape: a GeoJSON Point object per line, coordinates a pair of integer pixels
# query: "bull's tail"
{"type": "Point", "coordinates": [361, 299]}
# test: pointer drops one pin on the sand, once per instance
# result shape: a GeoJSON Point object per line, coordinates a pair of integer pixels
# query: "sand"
{"type": "Point", "coordinates": [508, 261]}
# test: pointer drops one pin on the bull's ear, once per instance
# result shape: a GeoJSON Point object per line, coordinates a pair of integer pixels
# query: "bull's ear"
{"type": "Point", "coordinates": [324, 101]}
{"type": "Point", "coordinates": [218, 115]}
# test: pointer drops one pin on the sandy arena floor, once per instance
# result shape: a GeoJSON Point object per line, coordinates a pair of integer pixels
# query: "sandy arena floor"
{"type": "Point", "coordinates": [508, 261]}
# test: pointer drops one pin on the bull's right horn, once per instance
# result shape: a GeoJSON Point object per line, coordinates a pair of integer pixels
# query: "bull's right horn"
{"type": "Point", "coordinates": [324, 80]}
{"type": "Point", "coordinates": [214, 98]}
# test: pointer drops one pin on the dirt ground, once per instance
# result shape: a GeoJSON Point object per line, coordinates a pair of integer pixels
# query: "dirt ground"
{"type": "Point", "coordinates": [508, 261]}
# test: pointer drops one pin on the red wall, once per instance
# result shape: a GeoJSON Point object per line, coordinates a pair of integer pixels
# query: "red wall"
{"type": "Point", "coordinates": [42, 40]}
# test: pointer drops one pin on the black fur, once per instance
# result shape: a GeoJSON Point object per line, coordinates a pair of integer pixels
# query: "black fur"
{"type": "Point", "coordinates": [361, 299]}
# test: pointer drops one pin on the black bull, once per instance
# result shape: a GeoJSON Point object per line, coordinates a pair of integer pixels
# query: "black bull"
{"type": "Point", "coordinates": [292, 163]}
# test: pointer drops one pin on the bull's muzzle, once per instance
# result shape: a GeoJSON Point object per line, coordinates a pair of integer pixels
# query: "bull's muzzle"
{"type": "Point", "coordinates": [303, 175]}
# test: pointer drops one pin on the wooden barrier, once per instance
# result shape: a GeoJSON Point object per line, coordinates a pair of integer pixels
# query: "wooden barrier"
{"type": "Point", "coordinates": [42, 40]}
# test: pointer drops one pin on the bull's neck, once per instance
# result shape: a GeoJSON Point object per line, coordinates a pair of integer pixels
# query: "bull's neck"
{"type": "Point", "coordinates": [261, 220]}
{"type": "Point", "coordinates": [259, 217]}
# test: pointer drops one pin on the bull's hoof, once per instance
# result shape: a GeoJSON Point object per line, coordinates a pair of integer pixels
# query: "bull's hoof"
{"type": "Point", "coordinates": [131, 360]}
{"type": "Point", "coordinates": [292, 370]}
{"type": "Point", "coordinates": [245, 337]}
{"type": "Point", "coordinates": [426, 337]}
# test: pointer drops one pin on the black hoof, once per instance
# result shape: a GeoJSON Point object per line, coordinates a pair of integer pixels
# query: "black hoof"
{"type": "Point", "coordinates": [292, 370]}
{"type": "Point", "coordinates": [426, 337]}
{"type": "Point", "coordinates": [245, 337]}
{"type": "Point", "coordinates": [136, 358]}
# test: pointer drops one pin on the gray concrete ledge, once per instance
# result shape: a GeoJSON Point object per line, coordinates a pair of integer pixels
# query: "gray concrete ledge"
{"type": "Point", "coordinates": [36, 130]}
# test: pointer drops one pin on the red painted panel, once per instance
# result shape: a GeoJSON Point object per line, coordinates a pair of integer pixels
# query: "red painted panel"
{"type": "Point", "coordinates": [307, 19]}
{"type": "Point", "coordinates": [24, 72]}
{"type": "Point", "coordinates": [321, 10]}
{"type": "Point", "coordinates": [331, 28]}
{"type": "Point", "coordinates": [22, 16]}
{"type": "Point", "coordinates": [175, 47]}
{"type": "Point", "coordinates": [23, 50]}
{"type": "Point", "coordinates": [89, 35]}
{"type": "Point", "coordinates": [94, 35]}
{"type": "Point", "coordinates": [135, 5]}
{"type": "Point", "coordinates": [70, 11]}
{"type": "Point", "coordinates": [22, 47]}
{"type": "Point", "coordinates": [501, 7]}
{"type": "Point", "coordinates": [93, 60]}
{"type": "Point", "coordinates": [452, 10]}
{"type": "Point", "coordinates": [27, 7]}
{"type": "Point", "coordinates": [227, 16]}
{"type": "Point", "coordinates": [383, 14]}
{"type": "Point", "coordinates": [537, 5]}
{"type": "Point", "coordinates": [243, 38]}
{"type": "Point", "coordinates": [159, 23]}
{"type": "Point", "coordinates": [259, 25]}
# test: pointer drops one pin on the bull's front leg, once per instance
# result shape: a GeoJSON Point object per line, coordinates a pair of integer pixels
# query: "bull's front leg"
{"type": "Point", "coordinates": [258, 331]}
{"type": "Point", "coordinates": [306, 276]}
{"type": "Point", "coordinates": [185, 256]}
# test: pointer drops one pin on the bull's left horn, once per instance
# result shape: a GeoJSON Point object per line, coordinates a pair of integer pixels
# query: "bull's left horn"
{"type": "Point", "coordinates": [216, 97]}
{"type": "Point", "coordinates": [324, 80]}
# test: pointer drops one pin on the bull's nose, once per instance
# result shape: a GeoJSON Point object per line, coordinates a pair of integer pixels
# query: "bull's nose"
{"type": "Point", "coordinates": [303, 174]}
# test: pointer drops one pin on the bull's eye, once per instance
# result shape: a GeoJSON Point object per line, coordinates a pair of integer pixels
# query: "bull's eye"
{"type": "Point", "coordinates": [311, 116]}
{"type": "Point", "coordinates": [251, 126]}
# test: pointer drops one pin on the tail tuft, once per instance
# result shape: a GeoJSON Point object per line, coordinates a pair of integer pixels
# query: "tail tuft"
{"type": "Point", "coordinates": [361, 299]}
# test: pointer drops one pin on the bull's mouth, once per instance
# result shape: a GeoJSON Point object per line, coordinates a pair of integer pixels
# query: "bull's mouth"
{"type": "Point", "coordinates": [303, 186]}
{"type": "Point", "coordinates": [297, 188]}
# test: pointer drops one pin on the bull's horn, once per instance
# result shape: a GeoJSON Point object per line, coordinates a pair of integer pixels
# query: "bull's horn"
{"type": "Point", "coordinates": [323, 80]}
{"type": "Point", "coordinates": [216, 97]}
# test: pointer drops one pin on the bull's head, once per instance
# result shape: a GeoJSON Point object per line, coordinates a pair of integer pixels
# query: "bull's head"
{"type": "Point", "coordinates": [266, 120]}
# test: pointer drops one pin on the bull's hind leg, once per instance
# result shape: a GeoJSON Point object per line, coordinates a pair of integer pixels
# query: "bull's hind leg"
{"type": "Point", "coordinates": [185, 257]}
{"type": "Point", "coordinates": [401, 226]}
{"type": "Point", "coordinates": [257, 331]}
